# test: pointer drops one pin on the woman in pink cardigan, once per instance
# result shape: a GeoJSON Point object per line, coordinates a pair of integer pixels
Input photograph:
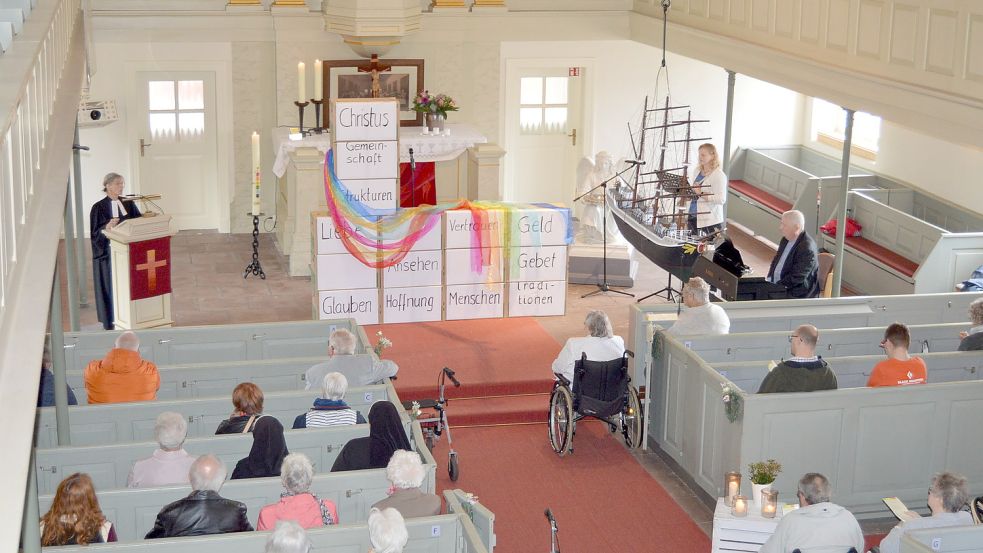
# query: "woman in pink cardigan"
{"type": "Point", "coordinates": [298, 502]}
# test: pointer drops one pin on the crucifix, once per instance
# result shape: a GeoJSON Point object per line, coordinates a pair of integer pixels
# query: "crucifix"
{"type": "Point", "coordinates": [374, 67]}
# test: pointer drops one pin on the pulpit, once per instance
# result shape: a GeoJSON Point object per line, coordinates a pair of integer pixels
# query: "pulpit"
{"type": "Point", "coordinates": [140, 250]}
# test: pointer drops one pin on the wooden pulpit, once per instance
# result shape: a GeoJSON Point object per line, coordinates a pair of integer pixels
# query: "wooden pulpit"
{"type": "Point", "coordinates": [140, 251]}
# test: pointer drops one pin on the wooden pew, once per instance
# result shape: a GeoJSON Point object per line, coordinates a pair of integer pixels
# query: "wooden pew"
{"type": "Point", "coordinates": [451, 533]}
{"type": "Point", "coordinates": [133, 511]}
{"type": "Point", "coordinates": [109, 465]}
{"type": "Point", "coordinates": [198, 380]}
{"type": "Point", "coordinates": [954, 539]}
{"type": "Point", "coordinates": [870, 442]}
{"type": "Point", "coordinates": [458, 501]}
{"type": "Point", "coordinates": [199, 344]}
{"type": "Point", "coordinates": [119, 423]}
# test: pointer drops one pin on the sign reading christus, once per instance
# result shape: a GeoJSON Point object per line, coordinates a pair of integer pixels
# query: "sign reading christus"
{"type": "Point", "coordinates": [538, 263]}
{"type": "Point", "coordinates": [474, 301]}
{"type": "Point", "coordinates": [361, 305]}
{"type": "Point", "coordinates": [537, 298]}
{"type": "Point", "coordinates": [327, 239]}
{"type": "Point", "coordinates": [365, 140]}
{"type": "Point", "coordinates": [416, 269]}
{"type": "Point", "coordinates": [411, 305]}
{"type": "Point", "coordinates": [540, 227]}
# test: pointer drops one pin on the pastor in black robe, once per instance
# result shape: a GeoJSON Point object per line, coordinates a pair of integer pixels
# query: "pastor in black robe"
{"type": "Point", "coordinates": [102, 277]}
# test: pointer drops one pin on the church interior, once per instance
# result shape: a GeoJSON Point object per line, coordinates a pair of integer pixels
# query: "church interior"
{"type": "Point", "coordinates": [201, 107]}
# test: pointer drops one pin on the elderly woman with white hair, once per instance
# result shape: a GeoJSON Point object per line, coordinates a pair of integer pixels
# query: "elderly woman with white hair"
{"type": "Point", "coordinates": [288, 537]}
{"type": "Point", "coordinates": [973, 340]}
{"type": "Point", "coordinates": [387, 531]}
{"type": "Point", "coordinates": [600, 345]}
{"type": "Point", "coordinates": [298, 502]}
{"type": "Point", "coordinates": [700, 316]}
{"type": "Point", "coordinates": [330, 409]}
{"type": "Point", "coordinates": [170, 463]}
{"type": "Point", "coordinates": [406, 473]}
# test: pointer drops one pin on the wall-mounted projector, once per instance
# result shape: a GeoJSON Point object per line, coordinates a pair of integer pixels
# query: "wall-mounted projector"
{"type": "Point", "coordinates": [97, 114]}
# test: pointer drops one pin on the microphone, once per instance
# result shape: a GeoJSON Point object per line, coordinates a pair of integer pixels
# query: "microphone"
{"type": "Point", "coordinates": [635, 162]}
{"type": "Point", "coordinates": [412, 161]}
{"type": "Point", "coordinates": [549, 516]}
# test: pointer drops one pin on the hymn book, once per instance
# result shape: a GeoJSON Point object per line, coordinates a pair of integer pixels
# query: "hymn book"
{"type": "Point", "coordinates": [899, 509]}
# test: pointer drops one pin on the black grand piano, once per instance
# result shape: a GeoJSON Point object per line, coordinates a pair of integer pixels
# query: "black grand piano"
{"type": "Point", "coordinates": [728, 274]}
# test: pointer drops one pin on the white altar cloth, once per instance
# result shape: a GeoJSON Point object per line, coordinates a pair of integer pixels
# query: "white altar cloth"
{"type": "Point", "coordinates": [425, 147]}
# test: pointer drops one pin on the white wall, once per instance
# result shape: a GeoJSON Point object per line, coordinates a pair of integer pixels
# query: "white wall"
{"type": "Point", "coordinates": [943, 169]}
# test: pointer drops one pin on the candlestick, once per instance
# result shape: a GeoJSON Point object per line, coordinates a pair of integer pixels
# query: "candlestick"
{"type": "Point", "coordinates": [301, 83]}
{"type": "Point", "coordinates": [318, 126]}
{"type": "Point", "coordinates": [300, 114]}
{"type": "Point", "coordinates": [740, 506]}
{"type": "Point", "coordinates": [256, 172]}
{"type": "Point", "coordinates": [318, 81]}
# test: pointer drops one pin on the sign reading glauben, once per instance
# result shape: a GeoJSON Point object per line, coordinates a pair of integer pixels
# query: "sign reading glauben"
{"type": "Point", "coordinates": [361, 305]}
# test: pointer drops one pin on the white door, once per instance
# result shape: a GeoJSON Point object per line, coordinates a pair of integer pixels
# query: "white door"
{"type": "Point", "coordinates": [175, 141]}
{"type": "Point", "coordinates": [545, 134]}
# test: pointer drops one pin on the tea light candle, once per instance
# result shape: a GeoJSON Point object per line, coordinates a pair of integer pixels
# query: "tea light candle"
{"type": "Point", "coordinates": [732, 487]}
{"type": "Point", "coordinates": [256, 172]}
{"type": "Point", "coordinates": [740, 506]}
{"type": "Point", "coordinates": [769, 503]}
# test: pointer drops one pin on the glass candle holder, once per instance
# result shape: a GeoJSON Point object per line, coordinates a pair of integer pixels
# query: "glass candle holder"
{"type": "Point", "coordinates": [740, 506]}
{"type": "Point", "coordinates": [732, 487]}
{"type": "Point", "coordinates": [769, 503]}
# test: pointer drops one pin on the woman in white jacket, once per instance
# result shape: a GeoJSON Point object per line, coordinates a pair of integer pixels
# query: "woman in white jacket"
{"type": "Point", "coordinates": [707, 209]}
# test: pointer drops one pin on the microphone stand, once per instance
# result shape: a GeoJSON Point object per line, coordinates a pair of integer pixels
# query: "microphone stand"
{"type": "Point", "coordinates": [554, 542]}
{"type": "Point", "coordinates": [412, 179]}
{"type": "Point", "coordinates": [603, 285]}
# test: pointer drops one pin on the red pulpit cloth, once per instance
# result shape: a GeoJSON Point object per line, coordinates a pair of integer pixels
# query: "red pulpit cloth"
{"type": "Point", "coordinates": [425, 185]}
{"type": "Point", "coordinates": [150, 268]}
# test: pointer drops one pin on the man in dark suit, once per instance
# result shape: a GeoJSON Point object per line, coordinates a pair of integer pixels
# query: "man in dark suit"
{"type": "Point", "coordinates": [796, 264]}
{"type": "Point", "coordinates": [204, 511]}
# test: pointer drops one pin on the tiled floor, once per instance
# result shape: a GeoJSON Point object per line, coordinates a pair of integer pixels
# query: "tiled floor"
{"type": "Point", "coordinates": [209, 288]}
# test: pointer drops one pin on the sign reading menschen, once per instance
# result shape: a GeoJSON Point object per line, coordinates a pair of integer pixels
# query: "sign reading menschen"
{"type": "Point", "coordinates": [474, 301]}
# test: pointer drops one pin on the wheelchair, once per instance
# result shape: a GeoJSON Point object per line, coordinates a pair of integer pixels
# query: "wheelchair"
{"type": "Point", "coordinates": [601, 390]}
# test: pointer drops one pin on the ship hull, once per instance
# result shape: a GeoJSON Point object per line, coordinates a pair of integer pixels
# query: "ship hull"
{"type": "Point", "coordinates": [675, 257]}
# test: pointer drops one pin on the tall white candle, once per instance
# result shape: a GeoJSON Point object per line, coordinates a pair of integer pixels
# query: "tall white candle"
{"type": "Point", "coordinates": [301, 83]}
{"type": "Point", "coordinates": [318, 80]}
{"type": "Point", "coordinates": [256, 172]}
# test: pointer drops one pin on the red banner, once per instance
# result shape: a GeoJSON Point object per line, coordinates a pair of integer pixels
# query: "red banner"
{"type": "Point", "coordinates": [150, 268]}
{"type": "Point", "coordinates": [417, 189]}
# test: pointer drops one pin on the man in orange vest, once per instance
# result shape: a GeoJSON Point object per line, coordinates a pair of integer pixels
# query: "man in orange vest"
{"type": "Point", "coordinates": [122, 376]}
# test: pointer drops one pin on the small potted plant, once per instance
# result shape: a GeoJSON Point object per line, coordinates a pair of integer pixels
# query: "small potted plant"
{"type": "Point", "coordinates": [762, 475]}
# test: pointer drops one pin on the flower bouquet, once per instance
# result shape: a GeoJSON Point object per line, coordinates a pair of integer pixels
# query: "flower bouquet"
{"type": "Point", "coordinates": [733, 402]}
{"type": "Point", "coordinates": [381, 343]}
{"type": "Point", "coordinates": [440, 104]}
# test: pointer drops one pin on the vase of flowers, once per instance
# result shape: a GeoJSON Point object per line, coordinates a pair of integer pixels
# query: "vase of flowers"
{"type": "Point", "coordinates": [381, 344]}
{"type": "Point", "coordinates": [435, 108]}
{"type": "Point", "coordinates": [762, 475]}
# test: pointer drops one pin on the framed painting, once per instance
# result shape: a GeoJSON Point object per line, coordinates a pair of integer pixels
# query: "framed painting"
{"type": "Point", "coordinates": [403, 81]}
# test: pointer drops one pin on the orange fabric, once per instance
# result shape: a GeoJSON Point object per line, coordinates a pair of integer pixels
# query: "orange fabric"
{"type": "Point", "coordinates": [122, 376]}
{"type": "Point", "coordinates": [894, 372]}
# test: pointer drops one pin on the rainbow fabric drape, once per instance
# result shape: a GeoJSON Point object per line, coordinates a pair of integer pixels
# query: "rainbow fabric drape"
{"type": "Point", "coordinates": [369, 234]}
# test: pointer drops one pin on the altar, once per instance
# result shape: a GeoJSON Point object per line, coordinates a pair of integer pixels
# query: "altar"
{"type": "Point", "coordinates": [466, 166]}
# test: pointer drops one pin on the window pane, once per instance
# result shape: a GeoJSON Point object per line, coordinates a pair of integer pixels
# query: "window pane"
{"type": "Point", "coordinates": [556, 90]}
{"type": "Point", "coordinates": [191, 124]}
{"type": "Point", "coordinates": [556, 120]}
{"type": "Point", "coordinates": [530, 119]}
{"type": "Point", "coordinates": [163, 125]}
{"type": "Point", "coordinates": [161, 95]}
{"type": "Point", "coordinates": [191, 94]}
{"type": "Point", "coordinates": [531, 90]}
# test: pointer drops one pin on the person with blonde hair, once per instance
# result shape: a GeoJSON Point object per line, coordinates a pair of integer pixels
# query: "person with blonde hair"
{"type": "Point", "coordinates": [170, 463]}
{"type": "Point", "coordinates": [298, 503]}
{"type": "Point", "coordinates": [122, 376]}
{"type": "Point", "coordinates": [75, 517]}
{"type": "Point", "coordinates": [701, 317]}
{"type": "Point", "coordinates": [406, 472]}
{"type": "Point", "coordinates": [706, 209]}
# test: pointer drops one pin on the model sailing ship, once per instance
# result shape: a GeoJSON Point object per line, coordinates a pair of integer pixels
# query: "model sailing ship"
{"type": "Point", "coordinates": [652, 208]}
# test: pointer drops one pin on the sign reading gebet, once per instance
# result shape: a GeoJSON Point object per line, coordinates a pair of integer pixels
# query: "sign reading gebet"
{"type": "Point", "coordinates": [365, 139]}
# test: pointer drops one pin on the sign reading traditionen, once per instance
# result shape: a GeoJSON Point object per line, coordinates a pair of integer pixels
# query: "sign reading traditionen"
{"type": "Point", "coordinates": [365, 139]}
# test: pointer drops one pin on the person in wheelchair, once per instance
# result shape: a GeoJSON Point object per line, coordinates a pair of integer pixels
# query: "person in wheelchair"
{"type": "Point", "coordinates": [600, 345]}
